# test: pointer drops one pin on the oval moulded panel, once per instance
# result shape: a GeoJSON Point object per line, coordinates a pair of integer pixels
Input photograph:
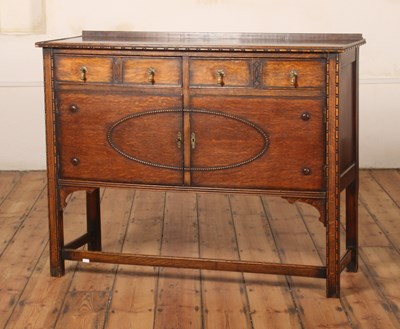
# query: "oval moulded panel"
{"type": "Point", "coordinates": [149, 138]}
{"type": "Point", "coordinates": [241, 140]}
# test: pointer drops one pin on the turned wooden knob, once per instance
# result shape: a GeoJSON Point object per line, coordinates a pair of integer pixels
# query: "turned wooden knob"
{"type": "Point", "coordinates": [305, 116]}
{"type": "Point", "coordinates": [75, 161]}
{"type": "Point", "coordinates": [74, 108]}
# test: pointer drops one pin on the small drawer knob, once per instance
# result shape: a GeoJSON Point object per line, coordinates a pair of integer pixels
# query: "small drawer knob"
{"type": "Point", "coordinates": [151, 72]}
{"type": "Point", "coordinates": [83, 72]}
{"type": "Point", "coordinates": [75, 161]}
{"type": "Point", "coordinates": [73, 108]}
{"type": "Point", "coordinates": [220, 77]}
{"type": "Point", "coordinates": [305, 116]}
{"type": "Point", "coordinates": [293, 78]}
{"type": "Point", "coordinates": [306, 171]}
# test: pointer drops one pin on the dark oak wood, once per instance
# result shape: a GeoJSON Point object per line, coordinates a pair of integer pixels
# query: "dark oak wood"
{"type": "Point", "coordinates": [209, 41]}
{"type": "Point", "coordinates": [235, 73]}
{"type": "Point", "coordinates": [309, 74]}
{"type": "Point", "coordinates": [253, 113]}
{"type": "Point", "coordinates": [224, 141]}
{"type": "Point", "coordinates": [197, 263]}
{"type": "Point", "coordinates": [93, 219]}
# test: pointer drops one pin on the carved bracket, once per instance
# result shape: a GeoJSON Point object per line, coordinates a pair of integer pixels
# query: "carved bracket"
{"type": "Point", "coordinates": [64, 192]}
{"type": "Point", "coordinates": [319, 204]}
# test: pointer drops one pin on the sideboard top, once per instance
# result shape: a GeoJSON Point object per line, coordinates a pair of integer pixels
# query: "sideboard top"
{"type": "Point", "coordinates": [209, 41]}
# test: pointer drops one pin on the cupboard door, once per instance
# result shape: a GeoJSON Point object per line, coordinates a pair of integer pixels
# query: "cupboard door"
{"type": "Point", "coordinates": [257, 142]}
{"type": "Point", "coordinates": [121, 138]}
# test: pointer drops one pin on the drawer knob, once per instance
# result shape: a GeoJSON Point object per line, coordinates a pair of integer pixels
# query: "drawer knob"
{"type": "Point", "coordinates": [293, 78]}
{"type": "Point", "coordinates": [220, 77]}
{"type": "Point", "coordinates": [83, 70]}
{"type": "Point", "coordinates": [74, 108]}
{"type": "Point", "coordinates": [305, 116]}
{"type": "Point", "coordinates": [151, 72]}
{"type": "Point", "coordinates": [306, 171]}
{"type": "Point", "coordinates": [75, 161]}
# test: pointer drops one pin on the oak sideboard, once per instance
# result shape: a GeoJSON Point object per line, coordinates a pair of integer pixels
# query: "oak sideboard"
{"type": "Point", "coordinates": [273, 114]}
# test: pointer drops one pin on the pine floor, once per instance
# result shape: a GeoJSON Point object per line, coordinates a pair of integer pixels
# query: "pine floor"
{"type": "Point", "coordinates": [206, 225]}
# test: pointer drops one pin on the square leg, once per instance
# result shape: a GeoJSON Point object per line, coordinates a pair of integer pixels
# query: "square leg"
{"type": "Point", "coordinates": [333, 248]}
{"type": "Point", "coordinates": [56, 236]}
{"type": "Point", "coordinates": [352, 225]}
{"type": "Point", "coordinates": [93, 219]}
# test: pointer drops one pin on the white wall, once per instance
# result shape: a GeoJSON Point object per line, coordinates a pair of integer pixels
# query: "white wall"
{"type": "Point", "coordinates": [21, 95]}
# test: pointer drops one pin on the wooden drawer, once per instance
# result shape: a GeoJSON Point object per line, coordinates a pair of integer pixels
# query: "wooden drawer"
{"type": "Point", "coordinates": [83, 69]}
{"type": "Point", "coordinates": [152, 71]}
{"type": "Point", "coordinates": [293, 74]}
{"type": "Point", "coordinates": [220, 72]}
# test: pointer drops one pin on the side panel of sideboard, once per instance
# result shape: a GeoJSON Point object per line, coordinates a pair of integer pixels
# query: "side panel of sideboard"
{"type": "Point", "coordinates": [349, 145]}
{"type": "Point", "coordinates": [348, 117]}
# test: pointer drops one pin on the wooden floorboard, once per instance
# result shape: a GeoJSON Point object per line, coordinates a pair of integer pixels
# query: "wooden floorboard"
{"type": "Point", "coordinates": [295, 246]}
{"type": "Point", "coordinates": [256, 228]}
{"type": "Point", "coordinates": [134, 292]}
{"type": "Point", "coordinates": [224, 298]}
